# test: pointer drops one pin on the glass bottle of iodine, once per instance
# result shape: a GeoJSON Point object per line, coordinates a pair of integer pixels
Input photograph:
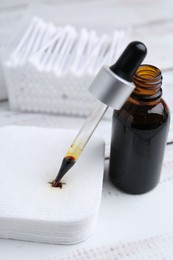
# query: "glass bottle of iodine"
{"type": "Point", "coordinates": [139, 134]}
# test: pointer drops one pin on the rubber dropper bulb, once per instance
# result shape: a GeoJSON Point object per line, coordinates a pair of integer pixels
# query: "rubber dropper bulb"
{"type": "Point", "coordinates": [127, 64]}
{"type": "Point", "coordinates": [113, 85]}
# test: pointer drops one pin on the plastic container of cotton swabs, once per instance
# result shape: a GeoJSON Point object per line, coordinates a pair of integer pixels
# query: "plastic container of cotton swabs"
{"type": "Point", "coordinates": [51, 67]}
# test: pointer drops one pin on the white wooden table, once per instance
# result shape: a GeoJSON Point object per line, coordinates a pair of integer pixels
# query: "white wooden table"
{"type": "Point", "coordinates": [152, 23]}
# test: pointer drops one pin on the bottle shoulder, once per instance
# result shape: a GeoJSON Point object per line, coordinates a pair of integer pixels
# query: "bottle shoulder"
{"type": "Point", "coordinates": [143, 115]}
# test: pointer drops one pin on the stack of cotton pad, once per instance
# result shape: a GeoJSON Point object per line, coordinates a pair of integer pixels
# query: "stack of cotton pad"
{"type": "Point", "coordinates": [52, 67]}
{"type": "Point", "coordinates": [30, 208]}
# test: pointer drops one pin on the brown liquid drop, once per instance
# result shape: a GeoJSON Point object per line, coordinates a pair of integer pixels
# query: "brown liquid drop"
{"type": "Point", "coordinates": [57, 184]}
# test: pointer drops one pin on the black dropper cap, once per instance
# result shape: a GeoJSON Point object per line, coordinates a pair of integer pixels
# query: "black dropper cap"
{"type": "Point", "coordinates": [129, 61]}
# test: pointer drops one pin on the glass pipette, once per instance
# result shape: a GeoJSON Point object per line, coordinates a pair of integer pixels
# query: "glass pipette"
{"type": "Point", "coordinates": [112, 86]}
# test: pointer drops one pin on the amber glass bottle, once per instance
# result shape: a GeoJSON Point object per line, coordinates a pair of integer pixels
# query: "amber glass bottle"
{"type": "Point", "coordinates": [139, 134]}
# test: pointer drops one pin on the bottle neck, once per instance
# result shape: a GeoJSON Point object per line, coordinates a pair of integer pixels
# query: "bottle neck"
{"type": "Point", "coordinates": [148, 81]}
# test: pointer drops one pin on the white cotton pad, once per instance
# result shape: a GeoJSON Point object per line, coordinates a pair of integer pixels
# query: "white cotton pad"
{"type": "Point", "coordinates": [32, 210]}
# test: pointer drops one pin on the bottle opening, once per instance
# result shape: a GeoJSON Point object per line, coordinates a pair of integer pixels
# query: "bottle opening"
{"type": "Point", "coordinates": [148, 81]}
{"type": "Point", "coordinates": [148, 72]}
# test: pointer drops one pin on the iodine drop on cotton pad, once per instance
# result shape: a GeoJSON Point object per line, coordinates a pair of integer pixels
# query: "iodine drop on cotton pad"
{"type": "Point", "coordinates": [30, 208]}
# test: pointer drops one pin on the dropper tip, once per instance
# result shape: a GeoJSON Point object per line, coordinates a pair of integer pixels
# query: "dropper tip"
{"type": "Point", "coordinates": [57, 184]}
{"type": "Point", "coordinates": [67, 163]}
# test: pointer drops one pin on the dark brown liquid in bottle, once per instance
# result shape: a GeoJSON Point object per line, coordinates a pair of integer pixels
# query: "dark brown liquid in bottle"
{"type": "Point", "coordinates": [139, 134]}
